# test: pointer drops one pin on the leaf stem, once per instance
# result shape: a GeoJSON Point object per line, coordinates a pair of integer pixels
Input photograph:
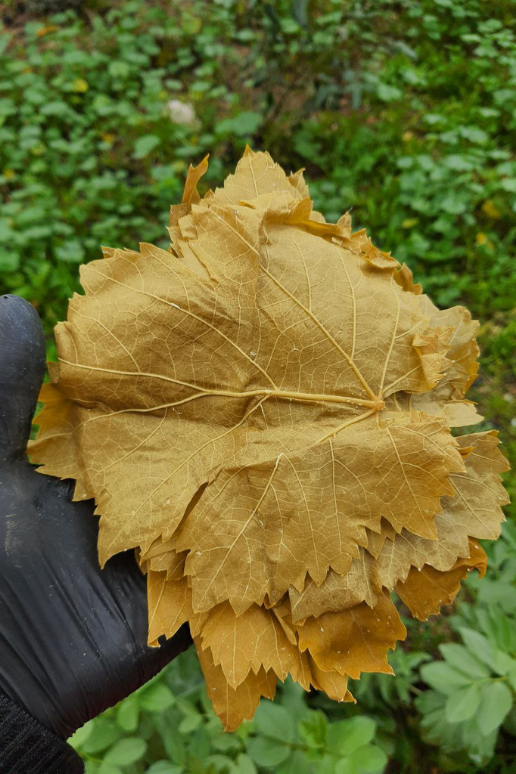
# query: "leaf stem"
{"type": "Point", "coordinates": [377, 404]}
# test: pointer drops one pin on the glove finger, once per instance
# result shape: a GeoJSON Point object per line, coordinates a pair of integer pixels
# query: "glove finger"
{"type": "Point", "coordinates": [22, 367]}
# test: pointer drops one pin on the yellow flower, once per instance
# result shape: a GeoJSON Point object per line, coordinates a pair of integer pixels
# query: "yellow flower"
{"type": "Point", "coordinates": [46, 30]}
{"type": "Point", "coordinates": [490, 210]}
{"type": "Point", "coordinates": [483, 240]}
{"type": "Point", "coordinates": [80, 85]}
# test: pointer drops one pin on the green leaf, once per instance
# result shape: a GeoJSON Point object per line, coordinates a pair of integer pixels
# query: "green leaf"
{"type": "Point", "coordinates": [313, 728]}
{"type": "Point", "coordinates": [157, 698]}
{"type": "Point", "coordinates": [81, 735]}
{"type": "Point", "coordinates": [346, 766]}
{"type": "Point", "coordinates": [347, 736]}
{"type": "Point", "coordinates": [297, 763]}
{"type": "Point", "coordinates": [457, 163]}
{"type": "Point", "coordinates": [221, 740]}
{"type": "Point", "coordinates": [245, 124]}
{"type": "Point", "coordinates": [220, 762]}
{"type": "Point", "coordinates": [189, 724]}
{"type": "Point", "coordinates": [9, 260]}
{"type": "Point", "coordinates": [496, 701]}
{"type": "Point", "coordinates": [293, 699]}
{"type": "Point", "coordinates": [443, 678]}
{"type": "Point", "coordinates": [502, 662]}
{"type": "Point", "coordinates": [118, 69]}
{"type": "Point", "coordinates": [478, 645]}
{"type": "Point", "coordinates": [243, 765]}
{"type": "Point", "coordinates": [126, 751]}
{"type": "Point", "coordinates": [144, 145]}
{"type": "Point", "coordinates": [104, 734]}
{"type": "Point", "coordinates": [464, 660]}
{"type": "Point", "coordinates": [174, 743]}
{"type": "Point", "coordinates": [199, 741]}
{"type": "Point", "coordinates": [508, 184]}
{"type": "Point", "coordinates": [369, 759]}
{"type": "Point", "coordinates": [463, 704]}
{"type": "Point", "coordinates": [108, 768]}
{"type": "Point", "coordinates": [164, 767]}
{"type": "Point", "coordinates": [266, 753]}
{"type": "Point", "coordinates": [274, 722]}
{"type": "Point", "coordinates": [70, 252]}
{"type": "Point", "coordinates": [474, 134]}
{"type": "Point", "coordinates": [127, 714]}
{"type": "Point", "coordinates": [191, 24]}
{"type": "Point", "coordinates": [186, 707]}
{"type": "Point", "coordinates": [300, 12]}
{"type": "Point", "coordinates": [388, 93]}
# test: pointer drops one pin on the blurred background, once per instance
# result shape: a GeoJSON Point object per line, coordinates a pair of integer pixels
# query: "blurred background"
{"type": "Point", "coordinates": [403, 112]}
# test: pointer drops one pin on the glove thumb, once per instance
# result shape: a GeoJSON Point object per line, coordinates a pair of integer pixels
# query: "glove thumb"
{"type": "Point", "coordinates": [22, 367]}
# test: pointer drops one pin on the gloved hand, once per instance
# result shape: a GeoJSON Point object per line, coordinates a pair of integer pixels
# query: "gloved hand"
{"type": "Point", "coordinates": [72, 636]}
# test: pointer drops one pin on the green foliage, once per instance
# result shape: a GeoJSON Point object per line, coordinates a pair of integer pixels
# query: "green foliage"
{"type": "Point", "coordinates": [402, 111]}
{"type": "Point", "coordinates": [473, 689]}
{"type": "Point", "coordinates": [168, 727]}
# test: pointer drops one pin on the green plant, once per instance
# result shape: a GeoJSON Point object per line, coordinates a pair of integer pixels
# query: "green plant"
{"type": "Point", "coordinates": [402, 111]}
{"type": "Point", "coordinates": [474, 686]}
{"type": "Point", "coordinates": [168, 727]}
{"type": "Point", "coordinates": [473, 692]}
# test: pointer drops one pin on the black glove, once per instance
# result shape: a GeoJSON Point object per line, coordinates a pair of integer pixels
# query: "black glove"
{"type": "Point", "coordinates": [72, 636]}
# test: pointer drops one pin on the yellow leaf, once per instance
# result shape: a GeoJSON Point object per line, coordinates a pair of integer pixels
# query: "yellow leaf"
{"type": "Point", "coordinates": [336, 592]}
{"type": "Point", "coordinates": [473, 511]}
{"type": "Point", "coordinates": [334, 685]}
{"type": "Point", "coordinates": [79, 85]}
{"type": "Point", "coordinates": [425, 591]}
{"type": "Point", "coordinates": [161, 557]}
{"type": "Point", "coordinates": [250, 641]}
{"type": "Point", "coordinates": [233, 705]}
{"type": "Point", "coordinates": [263, 412]}
{"type": "Point", "coordinates": [491, 210]}
{"type": "Point", "coordinates": [46, 30]}
{"type": "Point", "coordinates": [169, 604]}
{"type": "Point", "coordinates": [355, 640]}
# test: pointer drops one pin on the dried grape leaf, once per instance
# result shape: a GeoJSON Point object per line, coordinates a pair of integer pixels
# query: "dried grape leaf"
{"type": "Point", "coordinates": [252, 640]}
{"type": "Point", "coordinates": [355, 640]}
{"type": "Point", "coordinates": [233, 705]}
{"type": "Point", "coordinates": [263, 413]}
{"type": "Point", "coordinates": [335, 686]}
{"type": "Point", "coordinates": [162, 557]}
{"type": "Point", "coordinates": [474, 511]}
{"type": "Point", "coordinates": [336, 592]}
{"type": "Point", "coordinates": [426, 589]}
{"type": "Point", "coordinates": [376, 540]}
{"type": "Point", "coordinates": [314, 523]}
{"type": "Point", "coordinates": [170, 605]}
{"type": "Point", "coordinates": [478, 491]}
